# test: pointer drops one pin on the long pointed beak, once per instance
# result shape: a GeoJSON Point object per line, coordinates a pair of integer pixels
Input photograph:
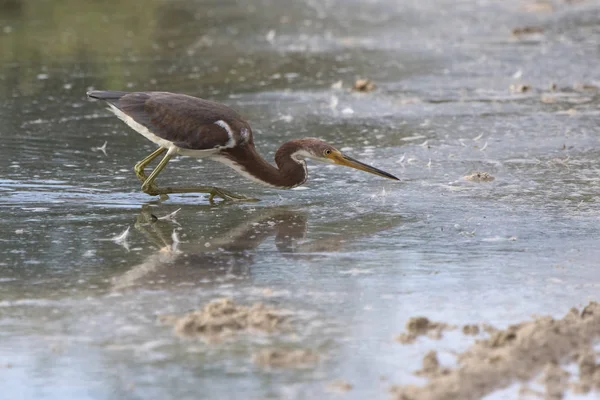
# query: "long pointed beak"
{"type": "Point", "coordinates": [352, 163]}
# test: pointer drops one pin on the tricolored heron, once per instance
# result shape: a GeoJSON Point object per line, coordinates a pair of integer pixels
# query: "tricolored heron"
{"type": "Point", "coordinates": [189, 126]}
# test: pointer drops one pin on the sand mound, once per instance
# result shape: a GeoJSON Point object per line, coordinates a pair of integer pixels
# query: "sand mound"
{"type": "Point", "coordinates": [520, 352]}
{"type": "Point", "coordinates": [223, 317]}
{"type": "Point", "coordinates": [363, 85]}
{"type": "Point", "coordinates": [479, 177]}
{"type": "Point", "coordinates": [471, 329]}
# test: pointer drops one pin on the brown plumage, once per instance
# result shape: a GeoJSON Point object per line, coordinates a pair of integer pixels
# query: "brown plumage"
{"type": "Point", "coordinates": [186, 121]}
{"type": "Point", "coordinates": [195, 127]}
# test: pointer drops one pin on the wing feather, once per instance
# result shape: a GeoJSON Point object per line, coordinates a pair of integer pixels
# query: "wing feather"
{"type": "Point", "coordinates": [188, 122]}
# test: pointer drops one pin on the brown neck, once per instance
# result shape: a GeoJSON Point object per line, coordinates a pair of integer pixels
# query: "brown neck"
{"type": "Point", "coordinates": [290, 172]}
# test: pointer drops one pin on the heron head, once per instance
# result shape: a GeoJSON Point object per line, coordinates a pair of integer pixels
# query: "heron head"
{"type": "Point", "coordinates": [319, 150]}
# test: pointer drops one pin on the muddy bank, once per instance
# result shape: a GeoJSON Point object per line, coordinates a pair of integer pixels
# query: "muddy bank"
{"type": "Point", "coordinates": [519, 353]}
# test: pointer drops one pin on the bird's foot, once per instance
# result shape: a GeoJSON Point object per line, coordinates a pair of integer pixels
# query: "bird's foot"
{"type": "Point", "coordinates": [213, 192]}
{"type": "Point", "coordinates": [227, 196]}
{"type": "Point", "coordinates": [153, 190]}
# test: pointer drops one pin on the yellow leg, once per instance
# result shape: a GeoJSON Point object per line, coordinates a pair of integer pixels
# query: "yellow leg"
{"type": "Point", "coordinates": [139, 167]}
{"type": "Point", "coordinates": [150, 188]}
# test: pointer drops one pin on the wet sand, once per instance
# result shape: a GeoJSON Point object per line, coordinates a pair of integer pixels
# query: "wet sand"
{"type": "Point", "coordinates": [519, 353]}
{"type": "Point", "coordinates": [222, 317]}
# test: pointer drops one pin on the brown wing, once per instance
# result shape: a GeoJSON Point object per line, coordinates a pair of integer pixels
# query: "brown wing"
{"type": "Point", "coordinates": [187, 121]}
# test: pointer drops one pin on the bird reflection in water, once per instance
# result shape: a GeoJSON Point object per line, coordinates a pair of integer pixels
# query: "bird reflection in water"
{"type": "Point", "coordinates": [230, 254]}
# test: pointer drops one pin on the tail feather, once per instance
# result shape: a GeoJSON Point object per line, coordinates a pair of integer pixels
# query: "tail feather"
{"type": "Point", "coordinates": [106, 94]}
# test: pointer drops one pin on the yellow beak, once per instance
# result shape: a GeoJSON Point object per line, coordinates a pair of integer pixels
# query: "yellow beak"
{"type": "Point", "coordinates": [342, 159]}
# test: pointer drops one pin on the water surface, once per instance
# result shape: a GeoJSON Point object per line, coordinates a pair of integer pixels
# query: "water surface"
{"type": "Point", "coordinates": [352, 255]}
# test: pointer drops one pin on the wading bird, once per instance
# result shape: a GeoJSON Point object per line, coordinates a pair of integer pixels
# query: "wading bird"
{"type": "Point", "coordinates": [189, 126]}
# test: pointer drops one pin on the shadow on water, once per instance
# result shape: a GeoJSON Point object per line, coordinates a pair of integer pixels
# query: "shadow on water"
{"type": "Point", "coordinates": [230, 253]}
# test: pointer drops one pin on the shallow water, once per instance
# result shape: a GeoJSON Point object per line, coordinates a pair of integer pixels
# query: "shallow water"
{"type": "Point", "coordinates": [352, 255]}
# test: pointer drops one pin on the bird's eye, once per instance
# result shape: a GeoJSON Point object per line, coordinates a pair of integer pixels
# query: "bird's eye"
{"type": "Point", "coordinates": [327, 152]}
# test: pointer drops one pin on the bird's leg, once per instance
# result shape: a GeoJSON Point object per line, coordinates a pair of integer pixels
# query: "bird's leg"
{"type": "Point", "coordinates": [139, 167]}
{"type": "Point", "coordinates": [149, 187]}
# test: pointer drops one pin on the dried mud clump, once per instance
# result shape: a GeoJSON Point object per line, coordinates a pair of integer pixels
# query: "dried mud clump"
{"type": "Point", "coordinates": [363, 85]}
{"type": "Point", "coordinates": [479, 177]}
{"type": "Point", "coordinates": [589, 372]}
{"type": "Point", "coordinates": [520, 352]}
{"type": "Point", "coordinates": [555, 381]}
{"type": "Point", "coordinates": [489, 328]}
{"type": "Point", "coordinates": [470, 330]}
{"type": "Point", "coordinates": [431, 366]}
{"type": "Point", "coordinates": [419, 326]}
{"type": "Point", "coordinates": [286, 358]}
{"type": "Point", "coordinates": [223, 317]}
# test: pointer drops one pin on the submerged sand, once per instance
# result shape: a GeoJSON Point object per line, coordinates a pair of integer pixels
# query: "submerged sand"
{"type": "Point", "coordinates": [285, 358]}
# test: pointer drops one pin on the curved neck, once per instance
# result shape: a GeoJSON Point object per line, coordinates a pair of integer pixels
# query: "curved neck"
{"type": "Point", "coordinates": [290, 171]}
